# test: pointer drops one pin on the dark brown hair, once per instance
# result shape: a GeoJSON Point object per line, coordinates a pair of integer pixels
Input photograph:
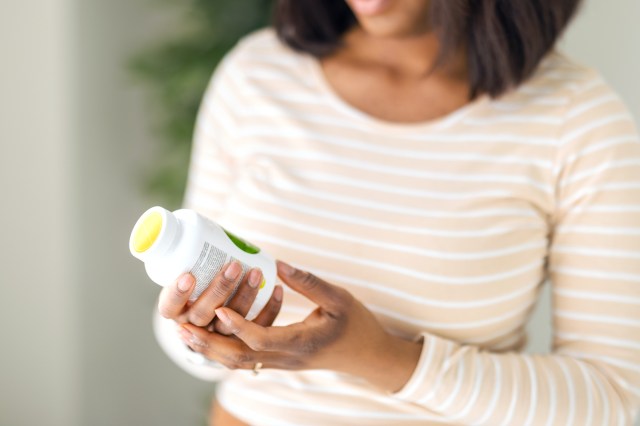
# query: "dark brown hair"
{"type": "Point", "coordinates": [504, 40]}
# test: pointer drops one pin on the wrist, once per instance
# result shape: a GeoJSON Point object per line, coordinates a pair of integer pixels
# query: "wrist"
{"type": "Point", "coordinates": [390, 366]}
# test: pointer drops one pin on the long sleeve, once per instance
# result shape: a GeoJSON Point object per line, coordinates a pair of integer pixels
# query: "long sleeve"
{"type": "Point", "coordinates": [210, 177]}
{"type": "Point", "coordinates": [592, 375]}
{"type": "Point", "coordinates": [210, 181]}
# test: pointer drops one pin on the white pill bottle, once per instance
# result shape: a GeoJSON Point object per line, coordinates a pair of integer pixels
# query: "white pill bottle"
{"type": "Point", "coordinates": [172, 243]}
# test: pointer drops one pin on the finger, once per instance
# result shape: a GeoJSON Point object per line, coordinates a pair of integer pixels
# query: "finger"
{"type": "Point", "coordinates": [234, 353]}
{"type": "Point", "coordinates": [230, 352]}
{"type": "Point", "coordinates": [326, 295]}
{"type": "Point", "coordinates": [271, 310]}
{"type": "Point", "coordinates": [220, 289]}
{"type": "Point", "coordinates": [244, 297]}
{"type": "Point", "coordinates": [289, 338]}
{"type": "Point", "coordinates": [174, 298]}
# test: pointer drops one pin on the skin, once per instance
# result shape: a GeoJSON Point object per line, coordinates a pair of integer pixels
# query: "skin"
{"type": "Point", "coordinates": [394, 52]}
{"type": "Point", "coordinates": [341, 334]}
{"type": "Point", "coordinates": [174, 299]}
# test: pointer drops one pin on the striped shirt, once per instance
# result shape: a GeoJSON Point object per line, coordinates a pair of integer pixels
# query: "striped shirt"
{"type": "Point", "coordinates": [446, 230]}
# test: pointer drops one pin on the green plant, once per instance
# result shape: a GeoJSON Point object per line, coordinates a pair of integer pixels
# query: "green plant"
{"type": "Point", "coordinates": [176, 72]}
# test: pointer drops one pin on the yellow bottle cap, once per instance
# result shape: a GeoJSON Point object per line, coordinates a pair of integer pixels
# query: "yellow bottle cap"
{"type": "Point", "coordinates": [147, 232]}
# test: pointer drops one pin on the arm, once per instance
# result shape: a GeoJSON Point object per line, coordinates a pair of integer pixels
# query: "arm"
{"type": "Point", "coordinates": [593, 374]}
{"type": "Point", "coordinates": [209, 183]}
{"type": "Point", "coordinates": [210, 176]}
{"type": "Point", "coordinates": [458, 382]}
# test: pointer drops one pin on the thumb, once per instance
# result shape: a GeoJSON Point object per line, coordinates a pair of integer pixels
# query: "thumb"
{"type": "Point", "coordinates": [313, 288]}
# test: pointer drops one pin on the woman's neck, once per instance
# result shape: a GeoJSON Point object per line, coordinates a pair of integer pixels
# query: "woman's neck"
{"type": "Point", "coordinates": [411, 56]}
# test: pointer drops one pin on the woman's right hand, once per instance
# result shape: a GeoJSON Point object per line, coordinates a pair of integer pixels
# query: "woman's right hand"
{"type": "Point", "coordinates": [174, 300]}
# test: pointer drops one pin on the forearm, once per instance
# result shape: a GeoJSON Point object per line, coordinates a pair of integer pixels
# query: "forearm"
{"type": "Point", "coordinates": [472, 386]}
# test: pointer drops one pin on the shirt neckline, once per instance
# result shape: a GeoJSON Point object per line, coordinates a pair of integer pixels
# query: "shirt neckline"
{"type": "Point", "coordinates": [331, 96]}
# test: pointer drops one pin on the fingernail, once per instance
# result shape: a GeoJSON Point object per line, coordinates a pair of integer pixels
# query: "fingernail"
{"type": "Point", "coordinates": [277, 293]}
{"type": "Point", "coordinates": [185, 282]}
{"type": "Point", "coordinates": [255, 277]}
{"type": "Point", "coordinates": [285, 269]}
{"type": "Point", "coordinates": [193, 339]}
{"type": "Point", "coordinates": [233, 270]}
{"type": "Point", "coordinates": [223, 316]}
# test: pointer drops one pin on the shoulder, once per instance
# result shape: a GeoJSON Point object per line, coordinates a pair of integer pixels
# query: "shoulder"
{"type": "Point", "coordinates": [592, 117]}
{"type": "Point", "coordinates": [261, 63]}
{"type": "Point", "coordinates": [566, 95]}
{"type": "Point", "coordinates": [260, 49]}
{"type": "Point", "coordinates": [261, 40]}
{"type": "Point", "coordinates": [567, 77]}
{"type": "Point", "coordinates": [593, 108]}
{"type": "Point", "coordinates": [554, 84]}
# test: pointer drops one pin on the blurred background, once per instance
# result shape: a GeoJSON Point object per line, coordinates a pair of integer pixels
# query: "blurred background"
{"type": "Point", "coordinates": [97, 105]}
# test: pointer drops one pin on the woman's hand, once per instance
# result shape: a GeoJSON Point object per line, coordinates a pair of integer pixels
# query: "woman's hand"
{"type": "Point", "coordinates": [174, 300]}
{"type": "Point", "coordinates": [341, 335]}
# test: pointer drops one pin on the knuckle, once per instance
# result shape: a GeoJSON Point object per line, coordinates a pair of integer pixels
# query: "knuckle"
{"type": "Point", "coordinates": [223, 288]}
{"type": "Point", "coordinates": [343, 299]}
{"type": "Point", "coordinates": [177, 295]}
{"type": "Point", "coordinates": [221, 328]}
{"type": "Point", "coordinates": [274, 308]}
{"type": "Point", "coordinates": [339, 315]}
{"type": "Point", "coordinates": [238, 360]}
{"type": "Point", "coordinates": [340, 301]}
{"type": "Point", "coordinates": [181, 319]}
{"type": "Point", "coordinates": [259, 345]}
{"type": "Point", "coordinates": [301, 343]}
{"type": "Point", "coordinates": [242, 298]}
{"type": "Point", "coordinates": [165, 311]}
{"type": "Point", "coordinates": [199, 317]}
{"type": "Point", "coordinates": [244, 357]}
{"type": "Point", "coordinates": [308, 279]}
{"type": "Point", "coordinates": [227, 330]}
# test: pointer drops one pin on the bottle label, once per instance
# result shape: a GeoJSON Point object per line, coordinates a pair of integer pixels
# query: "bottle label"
{"type": "Point", "coordinates": [209, 263]}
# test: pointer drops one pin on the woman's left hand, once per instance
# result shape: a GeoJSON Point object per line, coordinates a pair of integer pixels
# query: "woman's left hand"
{"type": "Point", "coordinates": [341, 334]}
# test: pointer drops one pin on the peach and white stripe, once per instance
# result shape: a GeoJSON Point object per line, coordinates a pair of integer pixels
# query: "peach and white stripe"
{"type": "Point", "coordinates": [446, 230]}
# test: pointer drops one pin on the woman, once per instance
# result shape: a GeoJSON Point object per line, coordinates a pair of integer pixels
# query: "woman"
{"type": "Point", "coordinates": [432, 163]}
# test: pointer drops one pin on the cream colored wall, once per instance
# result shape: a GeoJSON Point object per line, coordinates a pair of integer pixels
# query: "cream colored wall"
{"type": "Point", "coordinates": [38, 355]}
{"type": "Point", "coordinates": [75, 308]}
{"type": "Point", "coordinates": [125, 378]}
